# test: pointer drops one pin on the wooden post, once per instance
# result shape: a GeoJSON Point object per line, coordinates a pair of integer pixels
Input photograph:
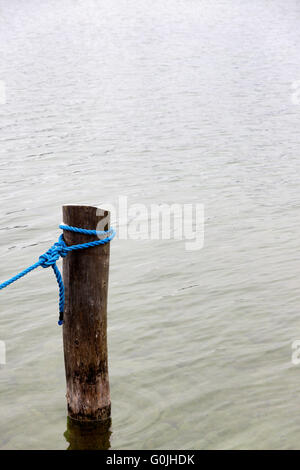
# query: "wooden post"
{"type": "Point", "coordinates": [85, 274]}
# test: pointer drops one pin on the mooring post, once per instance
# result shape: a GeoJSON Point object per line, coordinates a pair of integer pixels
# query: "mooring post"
{"type": "Point", "coordinates": [85, 274]}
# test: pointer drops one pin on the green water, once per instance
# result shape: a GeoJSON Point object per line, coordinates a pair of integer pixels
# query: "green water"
{"type": "Point", "coordinates": [186, 101]}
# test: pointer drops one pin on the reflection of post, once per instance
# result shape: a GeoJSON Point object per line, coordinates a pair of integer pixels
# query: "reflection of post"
{"type": "Point", "coordinates": [91, 435]}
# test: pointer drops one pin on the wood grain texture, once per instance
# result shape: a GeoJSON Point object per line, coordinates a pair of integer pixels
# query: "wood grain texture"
{"type": "Point", "coordinates": [85, 274]}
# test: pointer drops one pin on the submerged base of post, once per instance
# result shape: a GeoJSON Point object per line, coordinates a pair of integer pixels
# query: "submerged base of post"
{"type": "Point", "coordinates": [85, 319]}
{"type": "Point", "coordinates": [91, 435]}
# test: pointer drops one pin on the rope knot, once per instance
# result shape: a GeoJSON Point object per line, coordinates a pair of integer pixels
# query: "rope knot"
{"type": "Point", "coordinates": [58, 250]}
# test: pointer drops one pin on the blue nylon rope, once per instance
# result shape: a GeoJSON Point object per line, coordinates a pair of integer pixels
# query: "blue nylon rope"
{"type": "Point", "coordinates": [60, 250]}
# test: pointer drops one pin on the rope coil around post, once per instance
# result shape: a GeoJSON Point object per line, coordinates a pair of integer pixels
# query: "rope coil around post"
{"type": "Point", "coordinates": [61, 250]}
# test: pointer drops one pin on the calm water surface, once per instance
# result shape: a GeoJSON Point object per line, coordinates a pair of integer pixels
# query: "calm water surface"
{"type": "Point", "coordinates": [186, 101]}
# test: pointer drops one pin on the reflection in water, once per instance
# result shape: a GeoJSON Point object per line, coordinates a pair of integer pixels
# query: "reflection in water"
{"type": "Point", "coordinates": [88, 436]}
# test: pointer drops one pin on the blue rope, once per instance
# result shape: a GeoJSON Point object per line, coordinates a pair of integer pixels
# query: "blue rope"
{"type": "Point", "coordinates": [60, 250]}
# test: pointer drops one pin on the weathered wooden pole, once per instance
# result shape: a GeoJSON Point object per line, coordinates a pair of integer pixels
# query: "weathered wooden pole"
{"type": "Point", "coordinates": [85, 274]}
